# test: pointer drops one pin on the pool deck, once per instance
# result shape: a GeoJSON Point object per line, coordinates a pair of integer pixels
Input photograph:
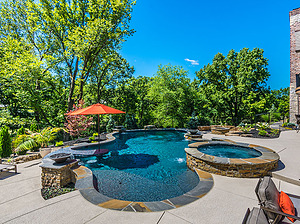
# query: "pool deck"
{"type": "Point", "coordinates": [21, 201]}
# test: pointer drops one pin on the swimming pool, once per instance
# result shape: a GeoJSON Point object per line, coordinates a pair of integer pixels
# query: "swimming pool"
{"type": "Point", "coordinates": [143, 166]}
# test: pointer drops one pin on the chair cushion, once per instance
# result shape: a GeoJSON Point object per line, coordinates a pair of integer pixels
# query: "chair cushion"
{"type": "Point", "coordinates": [286, 205]}
{"type": "Point", "coordinates": [268, 195]}
{"type": "Point", "coordinates": [257, 216]}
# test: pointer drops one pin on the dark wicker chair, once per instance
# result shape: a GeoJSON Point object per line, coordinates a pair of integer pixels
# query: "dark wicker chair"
{"type": "Point", "coordinates": [269, 211]}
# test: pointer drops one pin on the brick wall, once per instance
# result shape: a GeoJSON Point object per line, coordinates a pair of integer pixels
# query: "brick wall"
{"type": "Point", "coordinates": [294, 63]}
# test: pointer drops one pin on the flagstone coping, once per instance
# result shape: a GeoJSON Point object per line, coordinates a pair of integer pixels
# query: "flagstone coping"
{"type": "Point", "coordinates": [85, 183]}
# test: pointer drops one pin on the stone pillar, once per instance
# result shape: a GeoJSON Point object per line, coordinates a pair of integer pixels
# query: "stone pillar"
{"type": "Point", "coordinates": [294, 62]}
{"type": "Point", "coordinates": [57, 175]}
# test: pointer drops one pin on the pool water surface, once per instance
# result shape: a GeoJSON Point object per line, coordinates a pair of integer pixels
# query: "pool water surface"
{"type": "Point", "coordinates": [229, 151]}
{"type": "Point", "coordinates": [143, 166]}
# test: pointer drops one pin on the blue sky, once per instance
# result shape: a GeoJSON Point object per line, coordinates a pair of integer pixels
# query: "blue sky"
{"type": "Point", "coordinates": [172, 31]}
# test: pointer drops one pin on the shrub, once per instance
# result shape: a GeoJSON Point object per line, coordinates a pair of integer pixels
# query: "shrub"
{"type": "Point", "coordinates": [291, 125]}
{"type": "Point", "coordinates": [265, 117]}
{"type": "Point", "coordinates": [60, 143]}
{"type": "Point", "coordinates": [5, 142]}
{"type": "Point", "coordinates": [130, 122]}
{"type": "Point", "coordinates": [246, 129]}
{"type": "Point", "coordinates": [193, 122]}
{"type": "Point", "coordinates": [95, 134]}
{"type": "Point", "coordinates": [77, 125]}
{"type": "Point", "coordinates": [91, 138]}
{"type": "Point", "coordinates": [21, 131]}
{"type": "Point", "coordinates": [274, 132]}
{"type": "Point", "coordinates": [33, 127]}
{"type": "Point", "coordinates": [262, 126]}
{"type": "Point", "coordinates": [110, 125]}
{"type": "Point", "coordinates": [263, 133]}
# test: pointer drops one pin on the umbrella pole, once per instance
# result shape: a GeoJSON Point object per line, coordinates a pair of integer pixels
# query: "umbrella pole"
{"type": "Point", "coordinates": [98, 128]}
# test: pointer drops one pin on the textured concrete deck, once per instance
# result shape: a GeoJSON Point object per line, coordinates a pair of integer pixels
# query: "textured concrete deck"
{"type": "Point", "coordinates": [21, 201]}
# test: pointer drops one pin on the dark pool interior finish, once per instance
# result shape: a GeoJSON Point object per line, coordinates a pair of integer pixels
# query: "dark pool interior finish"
{"type": "Point", "coordinates": [143, 166]}
{"type": "Point", "coordinates": [229, 151]}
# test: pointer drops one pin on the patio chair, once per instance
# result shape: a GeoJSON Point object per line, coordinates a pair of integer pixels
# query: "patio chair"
{"type": "Point", "coordinates": [268, 197]}
{"type": "Point", "coordinates": [7, 167]}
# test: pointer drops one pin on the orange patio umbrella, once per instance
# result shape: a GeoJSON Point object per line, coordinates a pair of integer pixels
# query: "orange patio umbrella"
{"type": "Point", "coordinates": [96, 109]}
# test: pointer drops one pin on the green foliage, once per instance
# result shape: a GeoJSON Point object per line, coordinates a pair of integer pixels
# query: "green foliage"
{"type": "Point", "coordinates": [193, 122]}
{"type": "Point", "coordinates": [34, 141]}
{"type": "Point", "coordinates": [5, 142]}
{"type": "Point", "coordinates": [290, 125]}
{"type": "Point", "coordinates": [235, 84]}
{"type": "Point", "coordinates": [91, 138]}
{"type": "Point", "coordinates": [130, 122]}
{"type": "Point", "coordinates": [263, 133]}
{"type": "Point", "coordinates": [274, 132]}
{"type": "Point", "coordinates": [13, 122]}
{"type": "Point", "coordinates": [246, 128]}
{"type": "Point", "coordinates": [171, 94]}
{"type": "Point", "coordinates": [33, 127]}
{"type": "Point", "coordinates": [265, 117]}
{"type": "Point", "coordinates": [204, 121]}
{"type": "Point", "coordinates": [110, 125]}
{"type": "Point", "coordinates": [51, 49]}
{"type": "Point", "coordinates": [21, 131]}
{"type": "Point", "coordinates": [60, 143]}
{"type": "Point", "coordinates": [262, 126]}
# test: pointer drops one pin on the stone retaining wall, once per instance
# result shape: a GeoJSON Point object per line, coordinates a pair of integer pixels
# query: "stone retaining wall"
{"type": "Point", "coordinates": [231, 170]}
{"type": "Point", "coordinates": [26, 158]}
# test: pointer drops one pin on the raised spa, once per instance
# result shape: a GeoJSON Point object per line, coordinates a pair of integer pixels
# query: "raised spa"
{"type": "Point", "coordinates": [232, 159]}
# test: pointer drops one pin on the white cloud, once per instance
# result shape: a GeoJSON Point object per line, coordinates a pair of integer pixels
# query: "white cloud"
{"type": "Point", "coordinates": [193, 62]}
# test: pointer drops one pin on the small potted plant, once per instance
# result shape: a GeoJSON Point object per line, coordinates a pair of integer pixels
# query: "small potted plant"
{"type": "Point", "coordinates": [193, 124]}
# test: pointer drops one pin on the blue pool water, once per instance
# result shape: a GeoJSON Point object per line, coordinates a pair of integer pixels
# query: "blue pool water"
{"type": "Point", "coordinates": [144, 166]}
{"type": "Point", "coordinates": [229, 151]}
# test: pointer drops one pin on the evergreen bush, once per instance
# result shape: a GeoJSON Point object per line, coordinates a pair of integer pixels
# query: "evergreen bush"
{"type": "Point", "coordinates": [110, 125]}
{"type": "Point", "coordinates": [5, 142]}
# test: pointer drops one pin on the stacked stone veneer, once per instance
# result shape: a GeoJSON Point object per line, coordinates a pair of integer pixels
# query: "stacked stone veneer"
{"type": "Point", "coordinates": [26, 158]}
{"type": "Point", "coordinates": [57, 176]}
{"type": "Point", "coordinates": [294, 63]}
{"type": "Point", "coordinates": [252, 167]}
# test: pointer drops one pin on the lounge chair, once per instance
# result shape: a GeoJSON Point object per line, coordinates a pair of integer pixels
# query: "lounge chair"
{"type": "Point", "coordinates": [269, 211]}
{"type": "Point", "coordinates": [7, 167]}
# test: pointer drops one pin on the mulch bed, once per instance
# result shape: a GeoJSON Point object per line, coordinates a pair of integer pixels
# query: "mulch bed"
{"type": "Point", "coordinates": [52, 192]}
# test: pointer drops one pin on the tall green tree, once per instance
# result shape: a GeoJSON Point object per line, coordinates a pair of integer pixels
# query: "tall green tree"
{"type": "Point", "coordinates": [68, 37]}
{"type": "Point", "coordinates": [170, 92]}
{"type": "Point", "coordinates": [231, 82]}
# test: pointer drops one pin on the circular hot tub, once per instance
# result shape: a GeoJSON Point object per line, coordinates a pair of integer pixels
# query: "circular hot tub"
{"type": "Point", "coordinates": [231, 159]}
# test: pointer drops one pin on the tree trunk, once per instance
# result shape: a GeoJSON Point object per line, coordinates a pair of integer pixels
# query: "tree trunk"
{"type": "Point", "coordinates": [71, 91]}
{"type": "Point", "coordinates": [81, 90]}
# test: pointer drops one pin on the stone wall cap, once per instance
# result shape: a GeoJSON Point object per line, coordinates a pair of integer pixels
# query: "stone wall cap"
{"type": "Point", "coordinates": [50, 164]}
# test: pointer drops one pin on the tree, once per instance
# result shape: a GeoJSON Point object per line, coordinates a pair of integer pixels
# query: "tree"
{"type": "Point", "coordinates": [67, 38]}
{"type": "Point", "coordinates": [231, 82]}
{"type": "Point", "coordinates": [171, 94]}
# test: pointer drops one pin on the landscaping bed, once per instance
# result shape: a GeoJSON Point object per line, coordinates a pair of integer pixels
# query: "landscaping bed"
{"type": "Point", "coordinates": [52, 192]}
